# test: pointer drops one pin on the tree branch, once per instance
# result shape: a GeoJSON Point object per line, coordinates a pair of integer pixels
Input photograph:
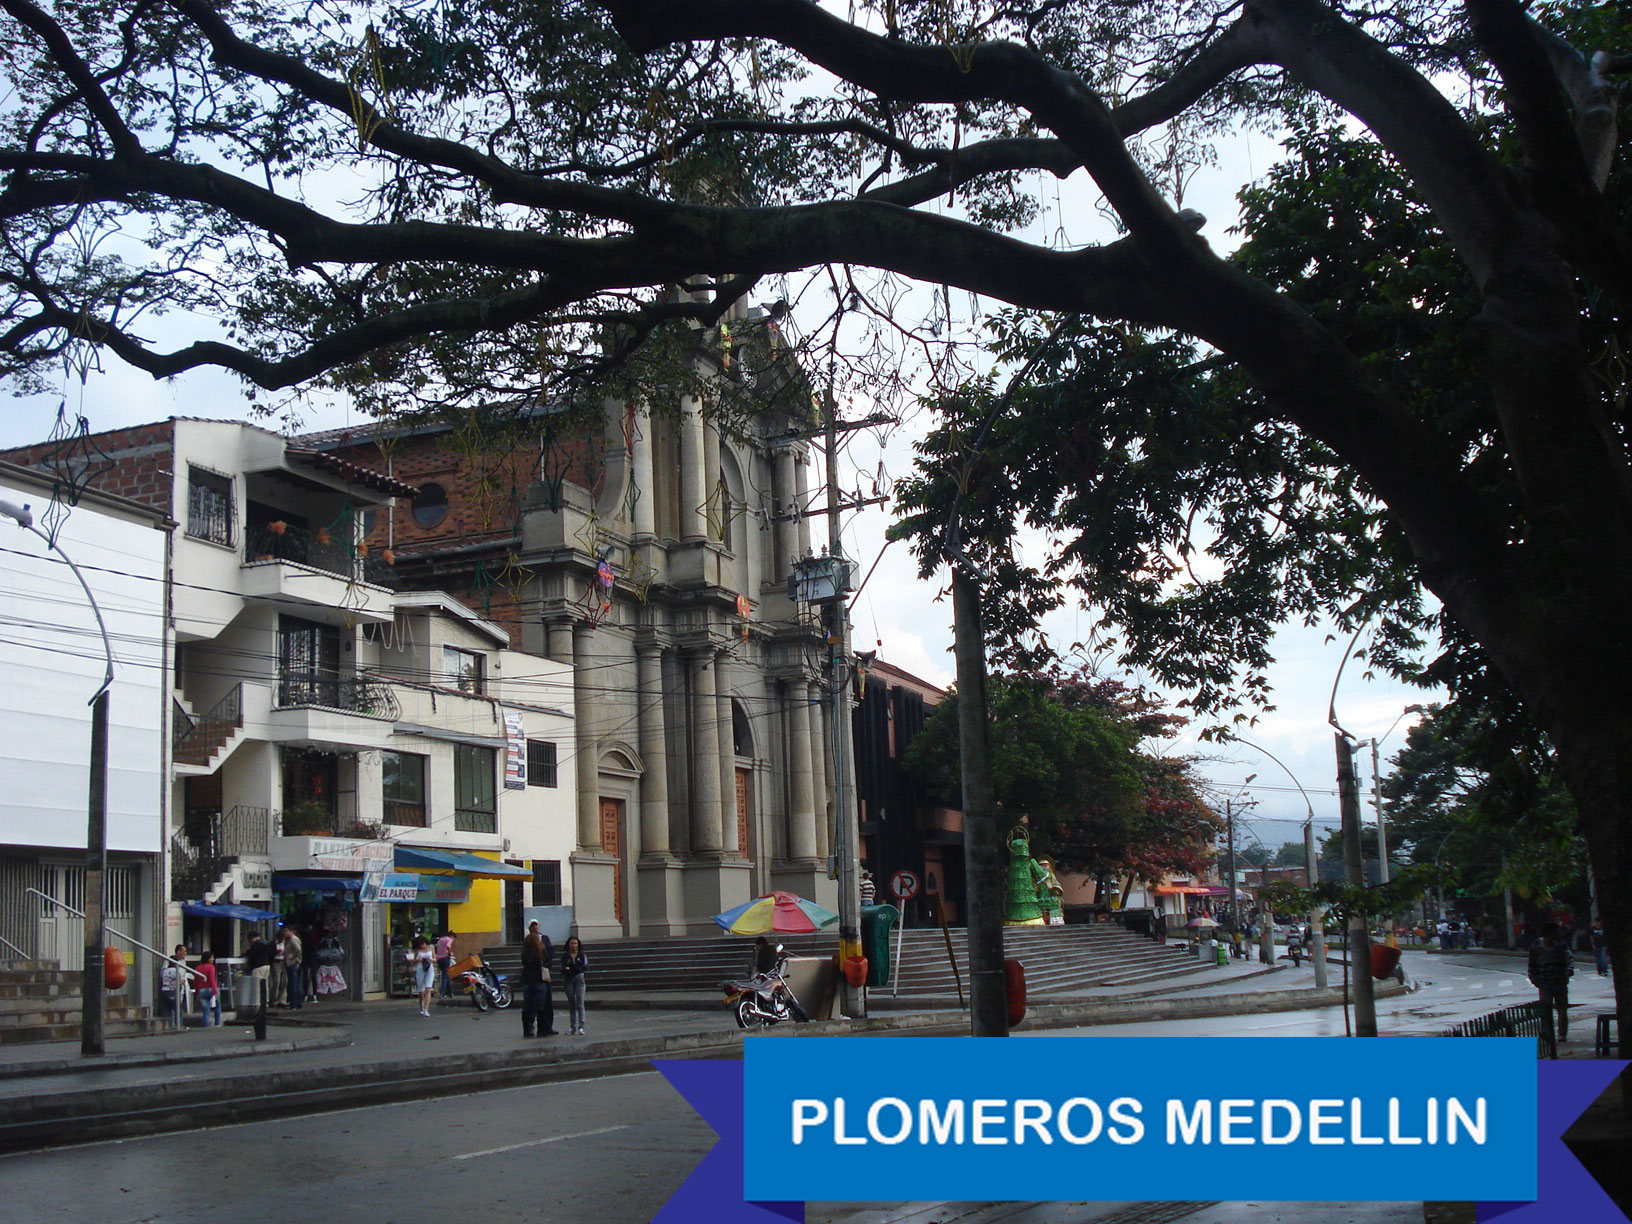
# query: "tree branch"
{"type": "Point", "coordinates": [77, 71]}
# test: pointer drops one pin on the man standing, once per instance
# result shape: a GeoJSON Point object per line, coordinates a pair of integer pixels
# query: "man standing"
{"type": "Point", "coordinates": [1550, 970]}
{"type": "Point", "coordinates": [258, 959]}
{"type": "Point", "coordinates": [1600, 950]}
{"type": "Point", "coordinates": [537, 1007]}
{"type": "Point", "coordinates": [444, 959]}
{"type": "Point", "coordinates": [291, 952]}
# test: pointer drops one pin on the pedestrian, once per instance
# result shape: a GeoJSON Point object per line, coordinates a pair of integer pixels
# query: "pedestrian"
{"type": "Point", "coordinates": [310, 936]}
{"type": "Point", "coordinates": [764, 956]}
{"type": "Point", "coordinates": [1550, 970]}
{"type": "Point", "coordinates": [258, 960]}
{"type": "Point", "coordinates": [1600, 949]}
{"type": "Point", "coordinates": [208, 989]}
{"type": "Point", "coordinates": [537, 1007]}
{"type": "Point", "coordinates": [444, 958]}
{"type": "Point", "coordinates": [173, 987]}
{"type": "Point", "coordinates": [276, 982]}
{"type": "Point", "coordinates": [424, 963]}
{"type": "Point", "coordinates": [291, 954]}
{"type": "Point", "coordinates": [573, 965]}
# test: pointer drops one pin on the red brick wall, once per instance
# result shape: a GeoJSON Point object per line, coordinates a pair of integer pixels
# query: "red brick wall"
{"type": "Point", "coordinates": [142, 460]}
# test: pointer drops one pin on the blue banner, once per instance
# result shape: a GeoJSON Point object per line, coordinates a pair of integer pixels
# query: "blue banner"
{"type": "Point", "coordinates": [1138, 1119]}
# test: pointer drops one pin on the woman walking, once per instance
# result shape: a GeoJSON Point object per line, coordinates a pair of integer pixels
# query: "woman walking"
{"type": "Point", "coordinates": [573, 965]}
{"type": "Point", "coordinates": [424, 963]}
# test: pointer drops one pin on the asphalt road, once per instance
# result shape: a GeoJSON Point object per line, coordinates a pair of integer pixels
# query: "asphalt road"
{"type": "Point", "coordinates": [606, 1151]}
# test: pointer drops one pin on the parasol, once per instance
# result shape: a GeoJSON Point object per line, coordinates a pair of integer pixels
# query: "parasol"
{"type": "Point", "coordinates": [778, 911]}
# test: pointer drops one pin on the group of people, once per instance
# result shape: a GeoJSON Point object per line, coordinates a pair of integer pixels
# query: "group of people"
{"type": "Point", "coordinates": [537, 1000]}
{"type": "Point", "coordinates": [283, 967]}
{"type": "Point", "coordinates": [177, 979]}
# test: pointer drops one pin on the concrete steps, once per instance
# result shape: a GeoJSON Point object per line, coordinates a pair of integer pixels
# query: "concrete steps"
{"type": "Point", "coordinates": [1057, 959]}
{"type": "Point", "coordinates": [41, 1002]}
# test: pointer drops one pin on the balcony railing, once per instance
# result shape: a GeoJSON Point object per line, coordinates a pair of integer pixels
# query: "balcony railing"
{"type": "Point", "coordinates": [348, 694]}
{"type": "Point", "coordinates": [199, 860]}
{"type": "Point", "coordinates": [317, 550]}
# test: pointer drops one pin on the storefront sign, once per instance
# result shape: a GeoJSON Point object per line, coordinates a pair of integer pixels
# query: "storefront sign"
{"type": "Point", "coordinates": [443, 890]}
{"type": "Point", "coordinates": [343, 854]}
{"type": "Point", "coordinates": [515, 751]}
{"type": "Point", "coordinates": [390, 886]}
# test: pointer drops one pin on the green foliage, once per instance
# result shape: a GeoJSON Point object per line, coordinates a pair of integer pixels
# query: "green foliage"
{"type": "Point", "coordinates": [1343, 899]}
{"type": "Point", "coordinates": [1066, 755]}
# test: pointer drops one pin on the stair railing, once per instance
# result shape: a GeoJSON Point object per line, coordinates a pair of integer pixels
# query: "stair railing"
{"type": "Point", "coordinates": [21, 955]}
{"type": "Point", "coordinates": [222, 719]}
{"type": "Point", "coordinates": [130, 939]}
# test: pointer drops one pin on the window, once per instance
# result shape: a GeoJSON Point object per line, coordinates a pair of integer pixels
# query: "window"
{"type": "Point", "coordinates": [308, 663]}
{"type": "Point", "coordinates": [464, 670]}
{"type": "Point", "coordinates": [402, 784]}
{"type": "Point", "coordinates": [209, 506]}
{"type": "Point", "coordinates": [546, 882]}
{"type": "Point", "coordinates": [475, 797]}
{"type": "Point", "coordinates": [430, 504]}
{"type": "Point", "coordinates": [541, 763]}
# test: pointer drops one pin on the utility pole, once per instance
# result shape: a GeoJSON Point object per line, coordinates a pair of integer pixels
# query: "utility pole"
{"type": "Point", "coordinates": [983, 847]}
{"type": "Point", "coordinates": [1365, 1007]}
{"type": "Point", "coordinates": [1317, 924]}
{"type": "Point", "coordinates": [1377, 806]}
{"type": "Point", "coordinates": [847, 832]}
{"type": "Point", "coordinates": [1229, 860]}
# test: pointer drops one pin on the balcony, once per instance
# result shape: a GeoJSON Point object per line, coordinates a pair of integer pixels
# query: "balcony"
{"type": "Point", "coordinates": [333, 713]}
{"type": "Point", "coordinates": [289, 563]}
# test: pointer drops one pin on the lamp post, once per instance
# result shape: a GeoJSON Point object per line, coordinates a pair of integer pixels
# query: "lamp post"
{"type": "Point", "coordinates": [91, 1032]}
{"type": "Point", "coordinates": [1317, 923]}
{"type": "Point", "coordinates": [1359, 936]}
{"type": "Point", "coordinates": [1377, 791]}
{"type": "Point", "coordinates": [1229, 851]}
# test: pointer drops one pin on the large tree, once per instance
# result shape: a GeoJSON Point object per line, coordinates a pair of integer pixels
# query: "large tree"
{"type": "Point", "coordinates": [466, 193]}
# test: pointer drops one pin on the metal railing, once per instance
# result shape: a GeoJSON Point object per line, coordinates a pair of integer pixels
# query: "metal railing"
{"type": "Point", "coordinates": [21, 955]}
{"type": "Point", "coordinates": [319, 550]}
{"type": "Point", "coordinates": [349, 694]}
{"type": "Point", "coordinates": [1520, 1020]}
{"type": "Point", "coordinates": [181, 723]}
{"type": "Point", "coordinates": [226, 839]}
{"type": "Point", "coordinates": [211, 729]}
{"type": "Point", "coordinates": [130, 939]}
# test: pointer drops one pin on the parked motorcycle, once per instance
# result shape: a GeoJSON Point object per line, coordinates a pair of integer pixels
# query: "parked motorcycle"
{"type": "Point", "coordinates": [765, 998]}
{"type": "Point", "coordinates": [487, 988]}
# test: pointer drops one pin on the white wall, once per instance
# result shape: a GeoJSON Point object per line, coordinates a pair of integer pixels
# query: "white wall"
{"type": "Point", "coordinates": [51, 661]}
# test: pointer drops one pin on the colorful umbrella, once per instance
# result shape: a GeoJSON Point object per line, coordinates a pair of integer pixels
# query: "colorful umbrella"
{"type": "Point", "coordinates": [1201, 922]}
{"type": "Point", "coordinates": [777, 911]}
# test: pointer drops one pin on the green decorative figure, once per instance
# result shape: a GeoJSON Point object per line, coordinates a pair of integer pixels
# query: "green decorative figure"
{"type": "Point", "coordinates": [1050, 894]}
{"type": "Point", "coordinates": [1025, 876]}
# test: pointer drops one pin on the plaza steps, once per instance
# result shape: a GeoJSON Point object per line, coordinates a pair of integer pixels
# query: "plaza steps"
{"type": "Point", "coordinates": [39, 1001]}
{"type": "Point", "coordinates": [1057, 960]}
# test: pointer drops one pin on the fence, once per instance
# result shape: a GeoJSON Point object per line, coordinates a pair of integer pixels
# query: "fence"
{"type": "Point", "coordinates": [1520, 1020]}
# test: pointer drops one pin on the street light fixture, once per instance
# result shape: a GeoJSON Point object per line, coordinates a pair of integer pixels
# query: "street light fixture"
{"type": "Point", "coordinates": [91, 1029]}
{"type": "Point", "coordinates": [1377, 790]}
{"type": "Point", "coordinates": [1317, 924]}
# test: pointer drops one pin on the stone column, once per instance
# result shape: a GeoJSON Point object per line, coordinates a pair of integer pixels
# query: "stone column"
{"type": "Point", "coordinates": [787, 530]}
{"type": "Point", "coordinates": [640, 473]}
{"type": "Point", "coordinates": [711, 483]}
{"type": "Point", "coordinates": [558, 639]}
{"type": "Point", "coordinates": [586, 737]}
{"type": "Point", "coordinates": [802, 792]}
{"type": "Point", "coordinates": [728, 761]}
{"type": "Point", "coordinates": [654, 786]}
{"type": "Point", "coordinates": [706, 829]}
{"type": "Point", "coordinates": [801, 490]}
{"type": "Point", "coordinates": [821, 773]}
{"type": "Point", "coordinates": [693, 486]}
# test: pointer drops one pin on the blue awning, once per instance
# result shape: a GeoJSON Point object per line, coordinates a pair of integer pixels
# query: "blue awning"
{"type": "Point", "coordinates": [314, 883]}
{"type": "Point", "coordinates": [417, 858]}
{"type": "Point", "coordinates": [243, 913]}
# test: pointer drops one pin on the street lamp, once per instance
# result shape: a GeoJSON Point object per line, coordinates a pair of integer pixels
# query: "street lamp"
{"type": "Point", "coordinates": [91, 1033]}
{"type": "Point", "coordinates": [1229, 851]}
{"type": "Point", "coordinates": [1317, 924]}
{"type": "Point", "coordinates": [1377, 791]}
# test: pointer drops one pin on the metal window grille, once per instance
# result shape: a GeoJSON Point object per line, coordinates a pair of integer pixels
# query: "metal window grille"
{"type": "Point", "coordinates": [541, 764]}
{"type": "Point", "coordinates": [209, 507]}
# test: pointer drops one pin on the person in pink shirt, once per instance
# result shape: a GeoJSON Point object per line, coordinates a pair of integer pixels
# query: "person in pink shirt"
{"type": "Point", "coordinates": [207, 986]}
{"type": "Point", "coordinates": [444, 958]}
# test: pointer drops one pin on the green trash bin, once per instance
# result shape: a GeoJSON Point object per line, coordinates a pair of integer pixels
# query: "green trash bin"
{"type": "Point", "coordinates": [877, 921]}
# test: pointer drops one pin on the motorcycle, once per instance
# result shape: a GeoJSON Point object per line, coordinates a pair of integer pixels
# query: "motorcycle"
{"type": "Point", "coordinates": [765, 998]}
{"type": "Point", "coordinates": [487, 989]}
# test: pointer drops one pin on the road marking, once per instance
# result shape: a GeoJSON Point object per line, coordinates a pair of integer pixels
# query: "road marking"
{"type": "Point", "coordinates": [516, 1147]}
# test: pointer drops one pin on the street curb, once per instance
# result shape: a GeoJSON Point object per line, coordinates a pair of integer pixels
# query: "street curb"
{"type": "Point", "coordinates": [166, 1058]}
{"type": "Point", "coordinates": [93, 1114]}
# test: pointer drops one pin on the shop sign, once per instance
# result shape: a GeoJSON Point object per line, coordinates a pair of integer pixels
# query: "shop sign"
{"type": "Point", "coordinates": [515, 751]}
{"type": "Point", "coordinates": [390, 886]}
{"type": "Point", "coordinates": [342, 854]}
{"type": "Point", "coordinates": [443, 890]}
